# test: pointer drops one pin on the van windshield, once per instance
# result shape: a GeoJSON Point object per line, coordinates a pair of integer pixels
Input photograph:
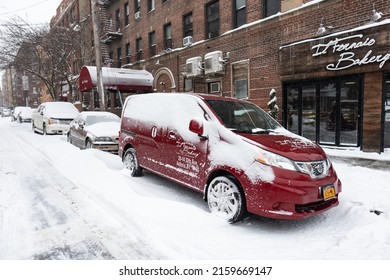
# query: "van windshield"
{"type": "Point", "coordinates": [243, 117]}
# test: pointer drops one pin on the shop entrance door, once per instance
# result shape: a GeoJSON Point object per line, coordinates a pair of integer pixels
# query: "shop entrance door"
{"type": "Point", "coordinates": [386, 93]}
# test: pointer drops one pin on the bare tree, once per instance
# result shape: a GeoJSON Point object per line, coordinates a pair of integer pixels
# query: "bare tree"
{"type": "Point", "coordinates": [46, 53]}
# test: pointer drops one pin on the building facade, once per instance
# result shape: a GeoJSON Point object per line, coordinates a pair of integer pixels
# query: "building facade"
{"type": "Point", "coordinates": [326, 60]}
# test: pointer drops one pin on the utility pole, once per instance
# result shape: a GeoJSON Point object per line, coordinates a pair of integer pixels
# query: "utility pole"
{"type": "Point", "coordinates": [98, 56]}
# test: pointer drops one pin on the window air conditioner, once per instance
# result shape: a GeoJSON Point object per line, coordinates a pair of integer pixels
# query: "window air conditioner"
{"type": "Point", "coordinates": [137, 15]}
{"type": "Point", "coordinates": [187, 41]}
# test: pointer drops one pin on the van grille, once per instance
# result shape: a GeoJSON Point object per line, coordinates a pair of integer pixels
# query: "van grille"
{"type": "Point", "coordinates": [316, 169]}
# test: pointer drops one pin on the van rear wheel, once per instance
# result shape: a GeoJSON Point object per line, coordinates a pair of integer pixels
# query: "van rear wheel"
{"type": "Point", "coordinates": [131, 162]}
{"type": "Point", "coordinates": [226, 199]}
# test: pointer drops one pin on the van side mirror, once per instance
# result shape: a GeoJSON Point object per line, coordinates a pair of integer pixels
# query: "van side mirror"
{"type": "Point", "coordinates": [196, 126]}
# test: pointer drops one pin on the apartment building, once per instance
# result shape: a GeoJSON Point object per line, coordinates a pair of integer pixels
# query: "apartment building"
{"type": "Point", "coordinates": [326, 60]}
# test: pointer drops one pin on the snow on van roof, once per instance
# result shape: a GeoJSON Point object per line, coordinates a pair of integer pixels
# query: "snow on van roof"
{"type": "Point", "coordinates": [176, 110]}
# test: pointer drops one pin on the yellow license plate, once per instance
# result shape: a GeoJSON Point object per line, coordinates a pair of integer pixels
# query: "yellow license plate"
{"type": "Point", "coordinates": [328, 192]}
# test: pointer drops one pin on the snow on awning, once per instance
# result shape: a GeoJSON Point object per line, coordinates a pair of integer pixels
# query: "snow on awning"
{"type": "Point", "coordinates": [116, 79]}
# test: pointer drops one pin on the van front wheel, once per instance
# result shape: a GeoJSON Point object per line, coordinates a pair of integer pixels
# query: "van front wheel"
{"type": "Point", "coordinates": [226, 199]}
{"type": "Point", "coordinates": [131, 162]}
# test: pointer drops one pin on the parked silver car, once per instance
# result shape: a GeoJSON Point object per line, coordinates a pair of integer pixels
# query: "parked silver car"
{"type": "Point", "coordinates": [95, 130]}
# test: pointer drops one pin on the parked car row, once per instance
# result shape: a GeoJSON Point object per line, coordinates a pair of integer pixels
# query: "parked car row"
{"type": "Point", "coordinates": [234, 153]}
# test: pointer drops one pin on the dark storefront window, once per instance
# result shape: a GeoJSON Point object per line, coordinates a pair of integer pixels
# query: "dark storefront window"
{"type": "Point", "coordinates": [309, 111]}
{"type": "Point", "coordinates": [386, 93]}
{"type": "Point", "coordinates": [324, 111]}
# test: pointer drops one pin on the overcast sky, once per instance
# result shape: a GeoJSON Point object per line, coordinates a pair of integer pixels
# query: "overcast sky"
{"type": "Point", "coordinates": [32, 11]}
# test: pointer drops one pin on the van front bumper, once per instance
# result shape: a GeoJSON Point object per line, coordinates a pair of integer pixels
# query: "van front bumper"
{"type": "Point", "coordinates": [291, 195]}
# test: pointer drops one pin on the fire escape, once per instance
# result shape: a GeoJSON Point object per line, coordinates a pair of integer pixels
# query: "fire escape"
{"type": "Point", "coordinates": [110, 31]}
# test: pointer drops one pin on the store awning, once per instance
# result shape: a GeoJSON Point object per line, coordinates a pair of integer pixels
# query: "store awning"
{"type": "Point", "coordinates": [116, 79]}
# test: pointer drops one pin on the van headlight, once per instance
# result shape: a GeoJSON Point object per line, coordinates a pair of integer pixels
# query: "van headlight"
{"type": "Point", "coordinates": [269, 158]}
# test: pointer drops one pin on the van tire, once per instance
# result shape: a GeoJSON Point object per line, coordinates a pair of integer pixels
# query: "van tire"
{"type": "Point", "coordinates": [226, 198]}
{"type": "Point", "coordinates": [130, 161]}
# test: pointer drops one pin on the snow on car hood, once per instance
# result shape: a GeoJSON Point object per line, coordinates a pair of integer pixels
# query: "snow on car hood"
{"type": "Point", "coordinates": [104, 129]}
{"type": "Point", "coordinates": [63, 115]}
{"type": "Point", "coordinates": [288, 145]}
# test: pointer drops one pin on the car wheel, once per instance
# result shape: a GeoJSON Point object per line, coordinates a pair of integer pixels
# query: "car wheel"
{"type": "Point", "coordinates": [88, 144]}
{"type": "Point", "coordinates": [68, 138]}
{"type": "Point", "coordinates": [226, 199]}
{"type": "Point", "coordinates": [131, 162]}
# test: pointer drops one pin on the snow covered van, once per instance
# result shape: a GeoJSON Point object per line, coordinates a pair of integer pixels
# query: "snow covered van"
{"type": "Point", "coordinates": [232, 151]}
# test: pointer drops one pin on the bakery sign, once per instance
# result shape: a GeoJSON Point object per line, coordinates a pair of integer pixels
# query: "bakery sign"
{"type": "Point", "coordinates": [346, 48]}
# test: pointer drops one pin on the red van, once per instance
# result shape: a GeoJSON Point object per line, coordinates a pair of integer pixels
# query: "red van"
{"type": "Point", "coordinates": [240, 158]}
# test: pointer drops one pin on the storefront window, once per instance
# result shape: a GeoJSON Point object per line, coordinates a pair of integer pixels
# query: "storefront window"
{"type": "Point", "coordinates": [349, 112]}
{"type": "Point", "coordinates": [309, 111]}
{"type": "Point", "coordinates": [292, 108]}
{"type": "Point", "coordinates": [386, 92]}
{"type": "Point", "coordinates": [326, 111]}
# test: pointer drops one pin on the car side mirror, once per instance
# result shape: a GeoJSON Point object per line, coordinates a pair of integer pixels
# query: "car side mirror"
{"type": "Point", "coordinates": [197, 128]}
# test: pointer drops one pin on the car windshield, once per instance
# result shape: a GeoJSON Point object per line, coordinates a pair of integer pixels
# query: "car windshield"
{"type": "Point", "coordinates": [243, 117]}
{"type": "Point", "coordinates": [102, 118]}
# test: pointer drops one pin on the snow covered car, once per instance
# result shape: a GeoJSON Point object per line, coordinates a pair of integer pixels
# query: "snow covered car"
{"type": "Point", "coordinates": [5, 112]}
{"type": "Point", "coordinates": [53, 117]}
{"type": "Point", "coordinates": [24, 115]}
{"type": "Point", "coordinates": [97, 130]}
{"type": "Point", "coordinates": [233, 152]}
{"type": "Point", "coordinates": [16, 111]}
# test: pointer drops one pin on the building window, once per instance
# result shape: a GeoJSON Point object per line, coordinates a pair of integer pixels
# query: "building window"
{"type": "Point", "coordinates": [137, 6]}
{"type": "Point", "coordinates": [188, 84]}
{"type": "Point", "coordinates": [240, 79]}
{"type": "Point", "coordinates": [118, 20]}
{"type": "Point", "coordinates": [150, 5]}
{"type": "Point", "coordinates": [187, 25]}
{"type": "Point", "coordinates": [152, 44]}
{"type": "Point", "coordinates": [119, 57]}
{"type": "Point", "coordinates": [128, 53]}
{"type": "Point", "coordinates": [168, 36]}
{"type": "Point", "coordinates": [212, 20]}
{"type": "Point", "coordinates": [127, 14]}
{"type": "Point", "coordinates": [325, 111]}
{"type": "Point", "coordinates": [240, 13]}
{"type": "Point", "coordinates": [271, 7]}
{"type": "Point", "coordinates": [214, 87]}
{"type": "Point", "coordinates": [138, 45]}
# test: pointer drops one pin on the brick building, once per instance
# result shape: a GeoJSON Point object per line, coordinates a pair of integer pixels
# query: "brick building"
{"type": "Point", "coordinates": [326, 59]}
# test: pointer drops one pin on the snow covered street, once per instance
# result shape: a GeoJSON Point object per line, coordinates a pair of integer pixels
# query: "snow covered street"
{"type": "Point", "coordinates": [60, 202]}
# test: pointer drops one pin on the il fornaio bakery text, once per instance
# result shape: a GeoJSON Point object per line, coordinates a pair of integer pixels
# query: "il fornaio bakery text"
{"type": "Point", "coordinates": [345, 48]}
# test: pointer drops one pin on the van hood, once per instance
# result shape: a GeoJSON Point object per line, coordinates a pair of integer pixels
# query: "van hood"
{"type": "Point", "coordinates": [291, 146]}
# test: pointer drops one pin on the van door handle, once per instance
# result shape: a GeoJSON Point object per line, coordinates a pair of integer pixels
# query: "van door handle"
{"type": "Point", "coordinates": [172, 135]}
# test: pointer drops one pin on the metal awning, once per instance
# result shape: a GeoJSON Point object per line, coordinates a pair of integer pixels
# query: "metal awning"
{"type": "Point", "coordinates": [116, 79]}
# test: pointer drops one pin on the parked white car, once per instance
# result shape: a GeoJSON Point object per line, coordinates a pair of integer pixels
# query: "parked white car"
{"type": "Point", "coordinates": [24, 115]}
{"type": "Point", "coordinates": [53, 117]}
{"type": "Point", "coordinates": [16, 111]}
